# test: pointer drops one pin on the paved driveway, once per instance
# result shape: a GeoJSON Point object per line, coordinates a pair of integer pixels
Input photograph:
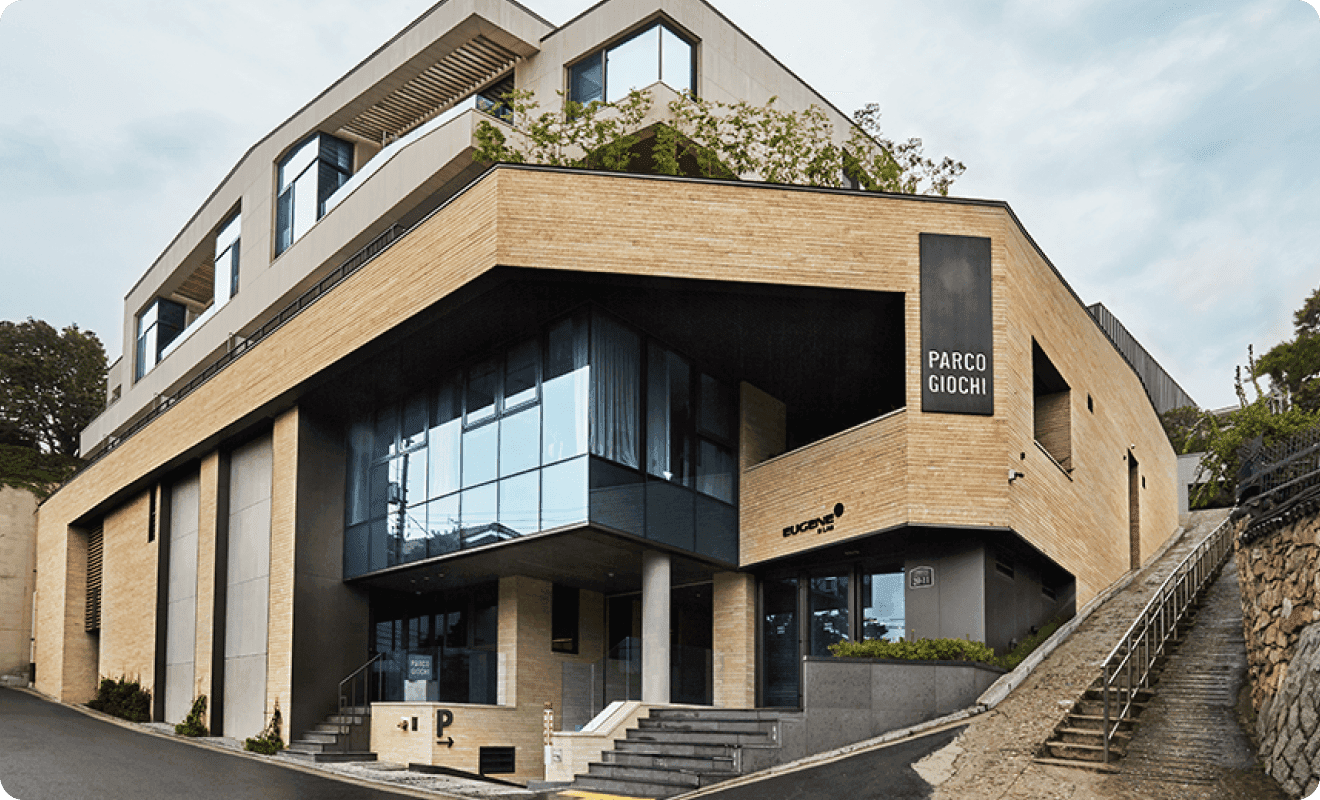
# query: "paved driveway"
{"type": "Point", "coordinates": [882, 774]}
{"type": "Point", "coordinates": [50, 752]}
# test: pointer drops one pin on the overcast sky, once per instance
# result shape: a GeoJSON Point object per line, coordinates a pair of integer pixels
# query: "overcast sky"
{"type": "Point", "coordinates": [1162, 154]}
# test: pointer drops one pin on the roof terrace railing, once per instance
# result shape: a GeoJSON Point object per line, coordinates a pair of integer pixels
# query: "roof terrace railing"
{"type": "Point", "coordinates": [1130, 665]}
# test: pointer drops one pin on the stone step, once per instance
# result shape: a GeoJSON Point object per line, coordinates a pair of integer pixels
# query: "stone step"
{"type": "Point", "coordinates": [696, 737]}
{"type": "Point", "coordinates": [319, 737]}
{"type": "Point", "coordinates": [624, 772]}
{"type": "Point", "coordinates": [629, 788]}
{"type": "Point", "coordinates": [1077, 751]}
{"type": "Point", "coordinates": [722, 713]}
{"type": "Point", "coordinates": [722, 764]}
{"type": "Point", "coordinates": [1097, 722]}
{"type": "Point", "coordinates": [329, 728]}
{"type": "Point", "coordinates": [684, 749]}
{"type": "Point", "coordinates": [1094, 766]}
{"type": "Point", "coordinates": [730, 725]}
{"type": "Point", "coordinates": [324, 758]}
{"type": "Point", "coordinates": [1088, 736]}
{"type": "Point", "coordinates": [347, 719]}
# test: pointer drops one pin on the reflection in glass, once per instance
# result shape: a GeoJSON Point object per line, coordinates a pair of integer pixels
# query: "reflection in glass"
{"type": "Point", "coordinates": [520, 499]}
{"type": "Point", "coordinates": [635, 64]}
{"type": "Point", "coordinates": [481, 390]}
{"type": "Point", "coordinates": [616, 391]}
{"type": "Point", "coordinates": [715, 471]}
{"type": "Point", "coordinates": [564, 494]}
{"type": "Point", "coordinates": [564, 406]}
{"type": "Point", "coordinates": [883, 606]}
{"type": "Point", "coordinates": [442, 525]}
{"type": "Point", "coordinates": [357, 502]}
{"type": "Point", "coordinates": [828, 609]}
{"type": "Point", "coordinates": [387, 433]}
{"type": "Point", "coordinates": [675, 62]}
{"type": "Point", "coordinates": [520, 374]}
{"type": "Point", "coordinates": [668, 416]}
{"type": "Point", "coordinates": [779, 637]}
{"type": "Point", "coordinates": [443, 442]}
{"type": "Point", "coordinates": [479, 516]}
{"type": "Point", "coordinates": [717, 405]}
{"type": "Point", "coordinates": [586, 80]}
{"type": "Point", "coordinates": [480, 452]}
{"type": "Point", "coordinates": [414, 423]}
{"type": "Point", "coordinates": [520, 441]}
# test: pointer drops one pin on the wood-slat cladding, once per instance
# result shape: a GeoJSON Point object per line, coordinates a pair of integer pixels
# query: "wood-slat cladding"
{"type": "Point", "coordinates": [92, 614]}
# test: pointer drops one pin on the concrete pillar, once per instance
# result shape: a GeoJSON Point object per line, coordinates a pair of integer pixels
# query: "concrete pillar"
{"type": "Point", "coordinates": [655, 627]}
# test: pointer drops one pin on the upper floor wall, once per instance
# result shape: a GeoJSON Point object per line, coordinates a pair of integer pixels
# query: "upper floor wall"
{"type": "Point", "coordinates": [403, 121]}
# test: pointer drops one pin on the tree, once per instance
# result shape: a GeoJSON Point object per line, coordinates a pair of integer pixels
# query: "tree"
{"type": "Point", "coordinates": [703, 138]}
{"type": "Point", "coordinates": [1293, 367]}
{"type": "Point", "coordinates": [52, 384]}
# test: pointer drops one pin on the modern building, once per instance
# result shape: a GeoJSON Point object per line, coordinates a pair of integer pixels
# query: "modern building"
{"type": "Point", "coordinates": [18, 546]}
{"type": "Point", "coordinates": [511, 442]}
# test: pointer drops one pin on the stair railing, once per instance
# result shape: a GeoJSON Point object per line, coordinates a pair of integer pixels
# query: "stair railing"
{"type": "Point", "coordinates": [1130, 664]}
{"type": "Point", "coordinates": [356, 685]}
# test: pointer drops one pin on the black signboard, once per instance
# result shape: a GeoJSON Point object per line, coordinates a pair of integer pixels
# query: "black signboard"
{"type": "Point", "coordinates": [957, 325]}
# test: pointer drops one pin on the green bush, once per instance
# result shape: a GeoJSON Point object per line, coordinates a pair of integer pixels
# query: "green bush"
{"type": "Point", "coordinates": [124, 699]}
{"type": "Point", "coordinates": [944, 649]}
{"type": "Point", "coordinates": [192, 724]}
{"type": "Point", "coordinates": [917, 650]}
{"type": "Point", "coordinates": [1019, 654]}
{"type": "Point", "coordinates": [269, 742]}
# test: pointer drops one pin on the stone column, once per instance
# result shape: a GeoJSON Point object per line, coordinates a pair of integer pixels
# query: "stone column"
{"type": "Point", "coordinates": [655, 627]}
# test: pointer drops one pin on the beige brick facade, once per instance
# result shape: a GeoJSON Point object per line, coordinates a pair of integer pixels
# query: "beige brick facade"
{"type": "Point", "coordinates": [128, 595]}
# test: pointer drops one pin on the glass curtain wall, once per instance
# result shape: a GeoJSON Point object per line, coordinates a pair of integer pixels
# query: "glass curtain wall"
{"type": "Point", "coordinates": [438, 647]}
{"type": "Point", "coordinates": [548, 432]}
{"type": "Point", "coordinates": [806, 611]}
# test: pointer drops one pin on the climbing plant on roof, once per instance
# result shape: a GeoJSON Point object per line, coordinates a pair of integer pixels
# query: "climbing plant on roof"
{"type": "Point", "coordinates": [704, 138]}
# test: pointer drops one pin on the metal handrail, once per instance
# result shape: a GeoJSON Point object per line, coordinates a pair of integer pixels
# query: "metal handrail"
{"type": "Point", "coordinates": [1128, 668]}
{"type": "Point", "coordinates": [357, 679]}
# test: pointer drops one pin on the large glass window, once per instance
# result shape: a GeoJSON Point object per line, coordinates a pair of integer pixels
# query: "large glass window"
{"type": "Point", "coordinates": [307, 177]}
{"type": "Point", "coordinates": [548, 432]}
{"type": "Point", "coordinates": [157, 327]}
{"type": "Point", "coordinates": [436, 646]}
{"type": "Point", "coordinates": [226, 260]}
{"type": "Point", "coordinates": [655, 54]}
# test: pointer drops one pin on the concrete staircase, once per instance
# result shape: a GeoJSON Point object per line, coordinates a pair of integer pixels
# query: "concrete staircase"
{"type": "Point", "coordinates": [677, 750]}
{"type": "Point", "coordinates": [341, 737]}
{"type": "Point", "coordinates": [1078, 741]}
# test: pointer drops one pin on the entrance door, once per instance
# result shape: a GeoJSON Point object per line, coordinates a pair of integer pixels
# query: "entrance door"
{"type": "Point", "coordinates": [780, 643]}
{"type": "Point", "coordinates": [1134, 510]}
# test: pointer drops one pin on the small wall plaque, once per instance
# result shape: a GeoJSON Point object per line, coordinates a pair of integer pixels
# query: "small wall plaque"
{"type": "Point", "coordinates": [921, 577]}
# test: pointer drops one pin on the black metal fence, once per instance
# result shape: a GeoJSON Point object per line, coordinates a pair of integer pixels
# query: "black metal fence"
{"type": "Point", "coordinates": [1278, 483]}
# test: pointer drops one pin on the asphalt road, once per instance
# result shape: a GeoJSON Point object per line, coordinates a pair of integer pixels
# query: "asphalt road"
{"type": "Point", "coordinates": [50, 752]}
{"type": "Point", "coordinates": [882, 774]}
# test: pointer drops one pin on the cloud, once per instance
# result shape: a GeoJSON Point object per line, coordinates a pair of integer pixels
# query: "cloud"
{"type": "Point", "coordinates": [1311, 3]}
{"type": "Point", "coordinates": [5, 4]}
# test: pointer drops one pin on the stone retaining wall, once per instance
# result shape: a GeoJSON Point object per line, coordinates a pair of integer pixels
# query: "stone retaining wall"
{"type": "Point", "coordinates": [1280, 584]}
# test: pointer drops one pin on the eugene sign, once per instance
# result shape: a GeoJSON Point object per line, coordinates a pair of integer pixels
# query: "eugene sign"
{"type": "Point", "coordinates": [957, 326]}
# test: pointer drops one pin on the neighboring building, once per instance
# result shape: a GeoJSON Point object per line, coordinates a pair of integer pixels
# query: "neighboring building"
{"type": "Point", "coordinates": [536, 435]}
{"type": "Point", "coordinates": [18, 547]}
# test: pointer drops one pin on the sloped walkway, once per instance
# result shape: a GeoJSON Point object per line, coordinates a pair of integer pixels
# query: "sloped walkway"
{"type": "Point", "coordinates": [1189, 743]}
{"type": "Point", "coordinates": [993, 759]}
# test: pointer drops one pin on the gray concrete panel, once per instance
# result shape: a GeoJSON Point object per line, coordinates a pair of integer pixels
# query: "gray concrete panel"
{"type": "Point", "coordinates": [246, 609]}
{"type": "Point", "coordinates": [181, 594]}
{"type": "Point", "coordinates": [249, 542]}
{"type": "Point", "coordinates": [251, 473]}
{"type": "Point", "coordinates": [245, 695]}
{"type": "Point", "coordinates": [178, 691]}
{"type": "Point", "coordinates": [903, 692]}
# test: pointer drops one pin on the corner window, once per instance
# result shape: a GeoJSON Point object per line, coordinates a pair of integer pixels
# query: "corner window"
{"type": "Point", "coordinates": [654, 54]}
{"type": "Point", "coordinates": [157, 327]}
{"type": "Point", "coordinates": [226, 259]}
{"type": "Point", "coordinates": [307, 178]}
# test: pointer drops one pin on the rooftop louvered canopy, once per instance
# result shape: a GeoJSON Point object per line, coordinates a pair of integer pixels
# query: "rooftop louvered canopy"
{"type": "Point", "coordinates": [454, 76]}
